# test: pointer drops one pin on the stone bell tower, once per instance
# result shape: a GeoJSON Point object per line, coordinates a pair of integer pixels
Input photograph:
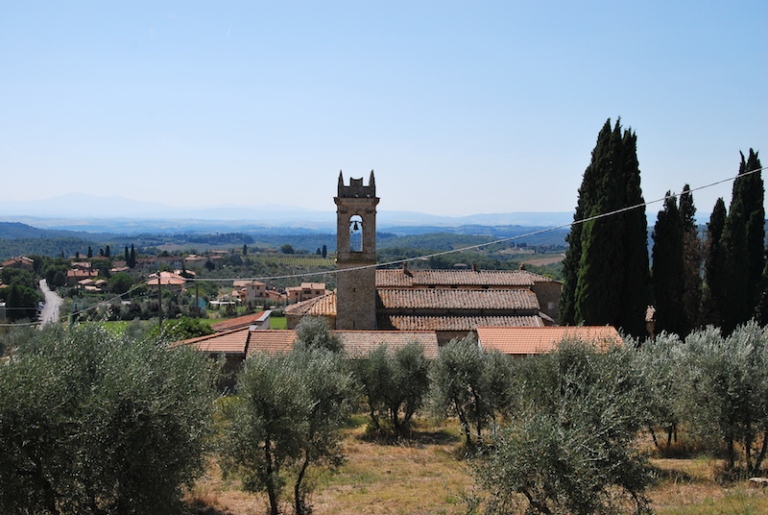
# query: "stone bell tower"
{"type": "Point", "coordinates": [356, 254]}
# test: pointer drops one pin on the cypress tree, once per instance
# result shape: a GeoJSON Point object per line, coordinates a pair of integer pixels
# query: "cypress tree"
{"type": "Point", "coordinates": [132, 257]}
{"type": "Point", "coordinates": [107, 251]}
{"type": "Point", "coordinates": [668, 268]}
{"type": "Point", "coordinates": [692, 257]}
{"type": "Point", "coordinates": [715, 276]}
{"type": "Point", "coordinates": [743, 241]}
{"type": "Point", "coordinates": [127, 255]}
{"type": "Point", "coordinates": [606, 267]}
{"type": "Point", "coordinates": [636, 286]}
{"type": "Point", "coordinates": [753, 192]}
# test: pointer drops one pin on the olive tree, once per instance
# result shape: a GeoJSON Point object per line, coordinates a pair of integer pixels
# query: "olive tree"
{"type": "Point", "coordinates": [570, 447]}
{"type": "Point", "coordinates": [395, 384]}
{"type": "Point", "coordinates": [724, 399]}
{"type": "Point", "coordinates": [470, 384]}
{"type": "Point", "coordinates": [93, 423]}
{"type": "Point", "coordinates": [315, 333]}
{"type": "Point", "coordinates": [288, 414]}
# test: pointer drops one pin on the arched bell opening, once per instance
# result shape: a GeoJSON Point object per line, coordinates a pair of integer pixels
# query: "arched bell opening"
{"type": "Point", "coordinates": [356, 233]}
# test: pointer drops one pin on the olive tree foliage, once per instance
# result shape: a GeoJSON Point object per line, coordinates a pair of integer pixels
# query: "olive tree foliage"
{"type": "Point", "coordinates": [659, 360]}
{"type": "Point", "coordinates": [724, 394]}
{"type": "Point", "coordinates": [287, 417]}
{"type": "Point", "coordinates": [395, 384]}
{"type": "Point", "coordinates": [315, 333]}
{"type": "Point", "coordinates": [570, 445]}
{"type": "Point", "coordinates": [470, 384]}
{"type": "Point", "coordinates": [93, 423]}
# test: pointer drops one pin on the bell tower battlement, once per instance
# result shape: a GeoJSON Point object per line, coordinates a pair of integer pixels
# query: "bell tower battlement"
{"type": "Point", "coordinates": [356, 221]}
{"type": "Point", "coordinates": [356, 254]}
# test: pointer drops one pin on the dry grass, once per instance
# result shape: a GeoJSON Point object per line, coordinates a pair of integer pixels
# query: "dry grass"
{"type": "Point", "coordinates": [427, 476]}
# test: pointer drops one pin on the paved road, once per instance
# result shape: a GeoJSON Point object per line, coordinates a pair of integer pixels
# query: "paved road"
{"type": "Point", "coordinates": [53, 302]}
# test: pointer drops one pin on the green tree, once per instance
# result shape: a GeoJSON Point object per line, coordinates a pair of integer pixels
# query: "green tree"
{"type": "Point", "coordinates": [743, 241]}
{"type": "Point", "coordinates": [245, 249]}
{"type": "Point", "coordinates": [324, 251]}
{"type": "Point", "coordinates": [120, 283]}
{"type": "Point", "coordinates": [715, 274]}
{"type": "Point", "coordinates": [606, 266]}
{"type": "Point", "coordinates": [178, 329]}
{"type": "Point", "coordinates": [668, 268]}
{"type": "Point", "coordinates": [724, 393]}
{"type": "Point", "coordinates": [465, 384]}
{"type": "Point", "coordinates": [132, 257]}
{"type": "Point", "coordinates": [315, 333]}
{"type": "Point", "coordinates": [107, 251]}
{"type": "Point", "coordinates": [287, 416]}
{"type": "Point", "coordinates": [395, 384]}
{"type": "Point", "coordinates": [692, 259]}
{"type": "Point", "coordinates": [570, 447]}
{"type": "Point", "coordinates": [91, 423]}
{"type": "Point", "coordinates": [21, 302]}
{"type": "Point", "coordinates": [90, 252]}
{"type": "Point", "coordinates": [287, 249]}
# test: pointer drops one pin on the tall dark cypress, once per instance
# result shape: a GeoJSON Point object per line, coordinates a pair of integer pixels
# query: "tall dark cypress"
{"type": "Point", "coordinates": [715, 276]}
{"type": "Point", "coordinates": [606, 265]}
{"type": "Point", "coordinates": [743, 241]}
{"type": "Point", "coordinates": [753, 194]}
{"type": "Point", "coordinates": [571, 262]}
{"type": "Point", "coordinates": [637, 281]}
{"type": "Point", "coordinates": [667, 274]}
{"type": "Point", "coordinates": [692, 258]}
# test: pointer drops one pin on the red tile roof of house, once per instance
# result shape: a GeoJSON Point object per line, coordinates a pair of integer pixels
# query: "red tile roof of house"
{"type": "Point", "coordinates": [271, 341]}
{"type": "Point", "coordinates": [356, 343]}
{"type": "Point", "coordinates": [325, 305]}
{"type": "Point", "coordinates": [455, 323]}
{"type": "Point", "coordinates": [229, 342]}
{"type": "Point", "coordinates": [539, 340]}
{"type": "Point", "coordinates": [492, 278]}
{"type": "Point", "coordinates": [239, 322]}
{"type": "Point", "coordinates": [361, 343]}
{"type": "Point", "coordinates": [447, 298]}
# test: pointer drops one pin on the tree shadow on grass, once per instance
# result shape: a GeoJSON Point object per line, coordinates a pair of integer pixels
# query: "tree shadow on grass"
{"type": "Point", "coordinates": [200, 508]}
{"type": "Point", "coordinates": [414, 438]}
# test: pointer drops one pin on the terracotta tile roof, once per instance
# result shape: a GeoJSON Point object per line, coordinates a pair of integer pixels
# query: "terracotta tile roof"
{"type": "Point", "coordinates": [229, 342]}
{"type": "Point", "coordinates": [360, 343]}
{"type": "Point", "coordinates": [443, 298]}
{"type": "Point", "coordinates": [324, 305]}
{"type": "Point", "coordinates": [479, 278]}
{"type": "Point", "coordinates": [527, 340]}
{"type": "Point", "coordinates": [239, 322]}
{"type": "Point", "coordinates": [271, 341]}
{"type": "Point", "coordinates": [455, 323]}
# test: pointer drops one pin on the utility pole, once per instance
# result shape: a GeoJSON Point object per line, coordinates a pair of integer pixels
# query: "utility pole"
{"type": "Point", "coordinates": [160, 301]}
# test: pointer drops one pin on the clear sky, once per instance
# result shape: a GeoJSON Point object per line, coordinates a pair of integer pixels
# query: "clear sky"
{"type": "Point", "coordinates": [459, 107]}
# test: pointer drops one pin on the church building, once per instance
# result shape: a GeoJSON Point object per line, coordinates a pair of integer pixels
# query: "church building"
{"type": "Point", "coordinates": [452, 303]}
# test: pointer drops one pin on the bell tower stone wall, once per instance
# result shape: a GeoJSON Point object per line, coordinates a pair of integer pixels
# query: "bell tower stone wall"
{"type": "Point", "coordinates": [356, 254]}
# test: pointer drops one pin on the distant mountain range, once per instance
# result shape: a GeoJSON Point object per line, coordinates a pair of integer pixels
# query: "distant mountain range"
{"type": "Point", "coordinates": [94, 214]}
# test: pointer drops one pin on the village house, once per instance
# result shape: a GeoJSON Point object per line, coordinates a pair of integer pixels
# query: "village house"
{"type": "Point", "coordinates": [305, 292]}
{"type": "Point", "coordinates": [167, 280]}
{"type": "Point", "coordinates": [22, 262]}
{"type": "Point", "coordinates": [75, 275]}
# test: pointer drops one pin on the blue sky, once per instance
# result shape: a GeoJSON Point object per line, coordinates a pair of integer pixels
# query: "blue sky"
{"type": "Point", "coordinates": [459, 107]}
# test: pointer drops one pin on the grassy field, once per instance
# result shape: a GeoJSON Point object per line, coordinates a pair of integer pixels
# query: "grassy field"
{"type": "Point", "coordinates": [428, 476]}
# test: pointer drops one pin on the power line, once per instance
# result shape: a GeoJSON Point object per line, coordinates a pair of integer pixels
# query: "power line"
{"type": "Point", "coordinates": [438, 254]}
{"type": "Point", "coordinates": [494, 242]}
